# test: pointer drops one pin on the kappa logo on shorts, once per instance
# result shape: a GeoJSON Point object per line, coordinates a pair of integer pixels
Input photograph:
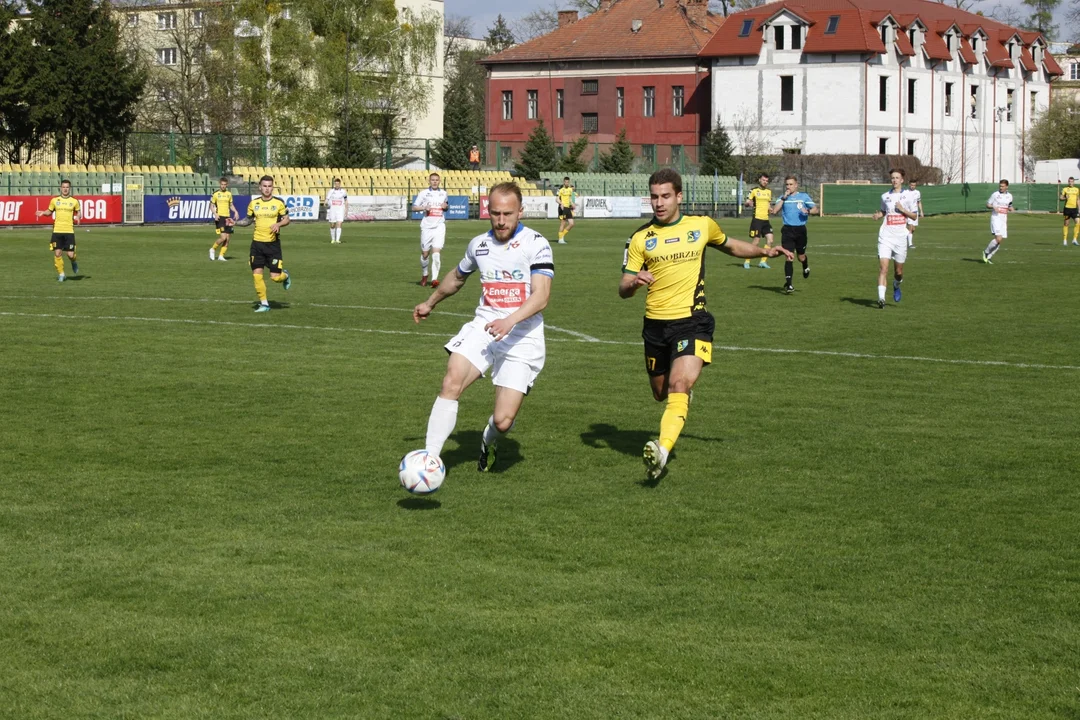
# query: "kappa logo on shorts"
{"type": "Point", "coordinates": [650, 244]}
{"type": "Point", "coordinates": [681, 345]}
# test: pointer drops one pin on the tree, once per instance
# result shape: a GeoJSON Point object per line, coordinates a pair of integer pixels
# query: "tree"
{"type": "Point", "coordinates": [620, 158]}
{"type": "Point", "coordinates": [19, 59]}
{"type": "Point", "coordinates": [538, 22]}
{"type": "Point", "coordinates": [1042, 16]}
{"type": "Point", "coordinates": [307, 155]}
{"type": "Point", "coordinates": [499, 36]}
{"type": "Point", "coordinates": [716, 153]}
{"type": "Point", "coordinates": [960, 4]}
{"type": "Point", "coordinates": [571, 162]}
{"type": "Point", "coordinates": [352, 147]}
{"type": "Point", "coordinates": [1056, 133]}
{"type": "Point", "coordinates": [455, 27]}
{"type": "Point", "coordinates": [460, 133]}
{"type": "Point", "coordinates": [538, 156]}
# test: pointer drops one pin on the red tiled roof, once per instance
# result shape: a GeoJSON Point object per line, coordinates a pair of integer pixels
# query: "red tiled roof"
{"type": "Point", "coordinates": [966, 53]}
{"type": "Point", "coordinates": [935, 48]}
{"type": "Point", "coordinates": [1052, 66]}
{"type": "Point", "coordinates": [1026, 60]}
{"type": "Point", "coordinates": [903, 44]}
{"type": "Point", "coordinates": [996, 54]}
{"type": "Point", "coordinates": [665, 31]}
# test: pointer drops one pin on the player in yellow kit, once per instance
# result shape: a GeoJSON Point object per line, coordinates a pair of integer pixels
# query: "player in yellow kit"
{"type": "Point", "coordinates": [269, 214]}
{"type": "Point", "coordinates": [1070, 194]}
{"type": "Point", "coordinates": [66, 212]}
{"type": "Point", "coordinates": [224, 210]}
{"type": "Point", "coordinates": [567, 204]}
{"type": "Point", "coordinates": [667, 255]}
{"type": "Point", "coordinates": [760, 198]}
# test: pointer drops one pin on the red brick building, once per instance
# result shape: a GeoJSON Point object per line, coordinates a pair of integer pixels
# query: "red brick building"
{"type": "Point", "coordinates": [632, 64]}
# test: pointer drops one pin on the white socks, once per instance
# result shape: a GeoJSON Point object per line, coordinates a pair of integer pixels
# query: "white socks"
{"type": "Point", "coordinates": [992, 248]}
{"type": "Point", "coordinates": [440, 424]}
{"type": "Point", "coordinates": [423, 265]}
{"type": "Point", "coordinates": [492, 434]}
{"type": "Point", "coordinates": [881, 293]}
{"type": "Point", "coordinates": [436, 263]}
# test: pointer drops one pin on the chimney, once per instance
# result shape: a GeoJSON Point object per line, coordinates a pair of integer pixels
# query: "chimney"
{"type": "Point", "coordinates": [697, 11]}
{"type": "Point", "coordinates": [604, 5]}
{"type": "Point", "coordinates": [567, 17]}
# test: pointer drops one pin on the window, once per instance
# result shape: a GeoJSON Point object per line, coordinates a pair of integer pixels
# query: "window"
{"type": "Point", "coordinates": [166, 56]}
{"type": "Point", "coordinates": [677, 99]}
{"type": "Point", "coordinates": [911, 36]}
{"type": "Point", "coordinates": [884, 30]}
{"type": "Point", "coordinates": [1074, 71]}
{"type": "Point", "coordinates": [882, 146]}
{"type": "Point", "coordinates": [590, 123]}
{"type": "Point", "coordinates": [532, 104]}
{"type": "Point", "coordinates": [166, 21]}
{"type": "Point", "coordinates": [648, 153]}
{"type": "Point", "coordinates": [558, 103]}
{"type": "Point", "coordinates": [1034, 98]}
{"type": "Point", "coordinates": [796, 37]}
{"type": "Point", "coordinates": [133, 19]}
{"type": "Point", "coordinates": [1008, 105]}
{"type": "Point", "coordinates": [778, 34]}
{"type": "Point", "coordinates": [974, 101]}
{"type": "Point", "coordinates": [975, 44]}
{"type": "Point", "coordinates": [911, 97]}
{"type": "Point", "coordinates": [883, 93]}
{"type": "Point", "coordinates": [620, 102]}
{"type": "Point", "coordinates": [787, 93]}
{"type": "Point", "coordinates": [910, 147]}
{"type": "Point", "coordinates": [948, 43]}
{"type": "Point", "coordinates": [834, 22]}
{"type": "Point", "coordinates": [747, 25]}
{"type": "Point", "coordinates": [197, 18]}
{"type": "Point", "coordinates": [508, 104]}
{"type": "Point", "coordinates": [650, 102]}
{"type": "Point", "coordinates": [948, 99]}
{"type": "Point", "coordinates": [676, 154]}
{"type": "Point", "coordinates": [590, 87]}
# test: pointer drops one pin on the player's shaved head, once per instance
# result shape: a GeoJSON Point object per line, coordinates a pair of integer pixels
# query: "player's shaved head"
{"type": "Point", "coordinates": [504, 209]}
{"type": "Point", "coordinates": [506, 188]}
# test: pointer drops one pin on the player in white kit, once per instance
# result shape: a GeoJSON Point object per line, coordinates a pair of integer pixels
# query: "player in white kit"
{"type": "Point", "coordinates": [892, 243]}
{"type": "Point", "coordinates": [336, 201]}
{"type": "Point", "coordinates": [913, 203]}
{"type": "Point", "coordinates": [433, 202]}
{"type": "Point", "coordinates": [1000, 204]}
{"type": "Point", "coordinates": [507, 335]}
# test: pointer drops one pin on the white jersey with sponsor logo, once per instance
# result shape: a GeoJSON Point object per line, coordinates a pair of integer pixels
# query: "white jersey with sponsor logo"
{"type": "Point", "coordinates": [506, 270]}
{"type": "Point", "coordinates": [911, 200]}
{"type": "Point", "coordinates": [432, 201]}
{"type": "Point", "coordinates": [999, 200]}
{"type": "Point", "coordinates": [894, 224]}
{"type": "Point", "coordinates": [336, 198]}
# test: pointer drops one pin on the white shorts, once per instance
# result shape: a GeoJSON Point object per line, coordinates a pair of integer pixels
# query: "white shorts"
{"type": "Point", "coordinates": [432, 238]}
{"type": "Point", "coordinates": [999, 225]}
{"type": "Point", "coordinates": [913, 223]}
{"type": "Point", "coordinates": [894, 249]}
{"type": "Point", "coordinates": [515, 361]}
{"type": "Point", "coordinates": [335, 214]}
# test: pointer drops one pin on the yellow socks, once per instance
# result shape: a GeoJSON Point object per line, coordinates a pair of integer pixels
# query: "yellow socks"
{"type": "Point", "coordinates": [1076, 230]}
{"type": "Point", "coordinates": [58, 262]}
{"type": "Point", "coordinates": [1065, 232]}
{"type": "Point", "coordinates": [671, 424]}
{"type": "Point", "coordinates": [260, 287]}
{"type": "Point", "coordinates": [280, 278]}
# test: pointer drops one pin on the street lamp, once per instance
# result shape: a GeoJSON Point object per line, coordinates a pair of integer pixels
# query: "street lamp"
{"type": "Point", "coordinates": [999, 117]}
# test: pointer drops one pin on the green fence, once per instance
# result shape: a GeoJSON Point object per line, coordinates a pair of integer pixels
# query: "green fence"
{"type": "Point", "coordinates": [939, 199]}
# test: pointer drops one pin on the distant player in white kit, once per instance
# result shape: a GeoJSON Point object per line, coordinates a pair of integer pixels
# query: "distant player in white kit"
{"type": "Point", "coordinates": [913, 203]}
{"type": "Point", "coordinates": [336, 202]}
{"type": "Point", "coordinates": [892, 243]}
{"type": "Point", "coordinates": [433, 202]}
{"type": "Point", "coordinates": [507, 335]}
{"type": "Point", "coordinates": [1000, 204]}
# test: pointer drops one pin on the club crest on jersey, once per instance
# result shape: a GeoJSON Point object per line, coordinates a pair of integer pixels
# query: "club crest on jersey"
{"type": "Point", "coordinates": [693, 236]}
{"type": "Point", "coordinates": [650, 244]}
{"type": "Point", "coordinates": [681, 345]}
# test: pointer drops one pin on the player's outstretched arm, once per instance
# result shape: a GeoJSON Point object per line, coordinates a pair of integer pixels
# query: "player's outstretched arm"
{"type": "Point", "coordinates": [450, 285]}
{"type": "Point", "coordinates": [538, 300]}
{"type": "Point", "coordinates": [744, 250]}
{"type": "Point", "coordinates": [630, 282]}
{"type": "Point", "coordinates": [245, 222]}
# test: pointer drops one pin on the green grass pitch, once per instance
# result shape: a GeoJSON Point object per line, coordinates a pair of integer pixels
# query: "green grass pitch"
{"type": "Point", "coordinates": [870, 514]}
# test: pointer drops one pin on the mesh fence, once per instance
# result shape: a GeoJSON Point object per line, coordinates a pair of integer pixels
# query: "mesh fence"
{"type": "Point", "coordinates": [939, 199]}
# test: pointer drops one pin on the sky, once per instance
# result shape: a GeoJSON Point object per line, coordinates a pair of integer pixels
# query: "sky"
{"type": "Point", "coordinates": [484, 12]}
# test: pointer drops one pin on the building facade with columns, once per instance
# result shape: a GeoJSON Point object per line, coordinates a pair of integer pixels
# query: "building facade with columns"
{"type": "Point", "coordinates": [955, 89]}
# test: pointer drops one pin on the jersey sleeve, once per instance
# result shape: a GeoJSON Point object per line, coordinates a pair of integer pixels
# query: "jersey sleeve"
{"type": "Point", "coordinates": [541, 261]}
{"type": "Point", "coordinates": [468, 265]}
{"type": "Point", "coordinates": [808, 201]}
{"type": "Point", "coordinates": [251, 210]}
{"type": "Point", "coordinates": [52, 205]}
{"type": "Point", "coordinates": [283, 210]}
{"type": "Point", "coordinates": [716, 235]}
{"type": "Point", "coordinates": [78, 207]}
{"type": "Point", "coordinates": [634, 257]}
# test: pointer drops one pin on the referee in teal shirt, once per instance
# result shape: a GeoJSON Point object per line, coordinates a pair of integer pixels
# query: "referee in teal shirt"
{"type": "Point", "coordinates": [796, 208]}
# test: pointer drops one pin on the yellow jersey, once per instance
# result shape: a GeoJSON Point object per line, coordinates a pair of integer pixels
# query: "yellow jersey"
{"type": "Point", "coordinates": [222, 200]}
{"type": "Point", "coordinates": [567, 197]}
{"type": "Point", "coordinates": [762, 198]}
{"type": "Point", "coordinates": [675, 255]}
{"type": "Point", "coordinates": [1070, 194]}
{"type": "Point", "coordinates": [266, 213]}
{"type": "Point", "coordinates": [64, 210]}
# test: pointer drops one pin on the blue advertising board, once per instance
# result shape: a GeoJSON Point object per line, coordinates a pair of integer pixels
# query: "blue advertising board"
{"type": "Point", "coordinates": [186, 208]}
{"type": "Point", "coordinates": [458, 210]}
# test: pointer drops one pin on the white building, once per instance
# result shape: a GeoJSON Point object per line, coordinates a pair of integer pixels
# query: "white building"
{"type": "Point", "coordinates": [955, 89]}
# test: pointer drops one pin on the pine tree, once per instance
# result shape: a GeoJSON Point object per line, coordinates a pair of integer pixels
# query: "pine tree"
{"type": "Point", "coordinates": [620, 158]}
{"type": "Point", "coordinates": [307, 155]}
{"type": "Point", "coordinates": [716, 153]}
{"type": "Point", "coordinates": [499, 36]}
{"type": "Point", "coordinates": [460, 133]}
{"type": "Point", "coordinates": [538, 156]}
{"type": "Point", "coordinates": [352, 147]}
{"type": "Point", "coordinates": [571, 162]}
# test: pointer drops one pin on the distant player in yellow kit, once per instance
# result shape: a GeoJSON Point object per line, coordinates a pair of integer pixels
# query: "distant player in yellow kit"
{"type": "Point", "coordinates": [66, 212]}
{"type": "Point", "coordinates": [567, 204]}
{"type": "Point", "coordinates": [1069, 194]}
{"type": "Point", "coordinates": [269, 214]}
{"type": "Point", "coordinates": [760, 198]}
{"type": "Point", "coordinates": [224, 210]}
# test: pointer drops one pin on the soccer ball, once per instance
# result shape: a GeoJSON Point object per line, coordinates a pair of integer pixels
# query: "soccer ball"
{"type": "Point", "coordinates": [420, 473]}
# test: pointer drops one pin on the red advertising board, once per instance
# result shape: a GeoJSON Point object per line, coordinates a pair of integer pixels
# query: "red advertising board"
{"type": "Point", "coordinates": [96, 209]}
{"type": "Point", "coordinates": [484, 214]}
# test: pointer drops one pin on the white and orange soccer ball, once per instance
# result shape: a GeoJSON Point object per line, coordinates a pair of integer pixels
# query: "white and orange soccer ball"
{"type": "Point", "coordinates": [421, 473]}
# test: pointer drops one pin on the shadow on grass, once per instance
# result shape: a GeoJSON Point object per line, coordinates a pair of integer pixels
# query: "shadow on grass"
{"type": "Point", "coordinates": [463, 458]}
{"type": "Point", "coordinates": [419, 503]}
{"type": "Point", "coordinates": [770, 288]}
{"type": "Point", "coordinates": [865, 302]}
{"type": "Point", "coordinates": [77, 278]}
{"type": "Point", "coordinates": [628, 442]}
{"type": "Point", "coordinates": [975, 260]}
{"type": "Point", "coordinates": [274, 305]}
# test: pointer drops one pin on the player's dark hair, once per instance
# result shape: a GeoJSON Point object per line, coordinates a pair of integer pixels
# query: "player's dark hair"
{"type": "Point", "coordinates": [1072, 178]}
{"type": "Point", "coordinates": [507, 188]}
{"type": "Point", "coordinates": [434, 174]}
{"type": "Point", "coordinates": [264, 178]}
{"type": "Point", "coordinates": [898, 170]}
{"type": "Point", "coordinates": [1003, 180]}
{"type": "Point", "coordinates": [664, 176]}
{"type": "Point", "coordinates": [791, 177]}
{"type": "Point", "coordinates": [65, 182]}
{"type": "Point", "coordinates": [337, 179]}
{"type": "Point", "coordinates": [223, 179]}
{"type": "Point", "coordinates": [764, 175]}
{"type": "Point", "coordinates": [566, 177]}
